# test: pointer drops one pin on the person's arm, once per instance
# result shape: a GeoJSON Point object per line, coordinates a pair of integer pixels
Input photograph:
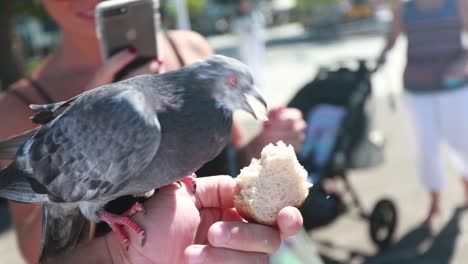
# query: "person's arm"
{"type": "Point", "coordinates": [191, 45]}
{"type": "Point", "coordinates": [464, 14]}
{"type": "Point", "coordinates": [99, 250]}
{"type": "Point", "coordinates": [395, 31]}
{"type": "Point", "coordinates": [26, 218]}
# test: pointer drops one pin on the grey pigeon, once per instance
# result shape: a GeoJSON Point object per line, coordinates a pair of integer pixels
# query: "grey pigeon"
{"type": "Point", "coordinates": [123, 139]}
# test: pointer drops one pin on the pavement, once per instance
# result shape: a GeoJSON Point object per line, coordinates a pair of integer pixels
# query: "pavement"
{"type": "Point", "coordinates": [292, 60]}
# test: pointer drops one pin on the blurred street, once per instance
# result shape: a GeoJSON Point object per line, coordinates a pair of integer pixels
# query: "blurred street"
{"type": "Point", "coordinates": [292, 60]}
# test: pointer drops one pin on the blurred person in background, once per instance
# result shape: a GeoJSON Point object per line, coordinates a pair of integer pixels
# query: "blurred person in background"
{"type": "Point", "coordinates": [75, 67]}
{"type": "Point", "coordinates": [436, 84]}
{"type": "Point", "coordinates": [249, 27]}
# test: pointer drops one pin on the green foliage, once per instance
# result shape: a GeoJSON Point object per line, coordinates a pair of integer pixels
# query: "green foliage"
{"type": "Point", "coordinates": [29, 8]}
{"type": "Point", "coordinates": [32, 64]}
{"type": "Point", "coordinates": [308, 4]}
{"type": "Point", "coordinates": [195, 8]}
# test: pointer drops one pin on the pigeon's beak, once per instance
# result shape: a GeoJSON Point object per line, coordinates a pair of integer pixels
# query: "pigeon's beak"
{"type": "Point", "coordinates": [255, 104]}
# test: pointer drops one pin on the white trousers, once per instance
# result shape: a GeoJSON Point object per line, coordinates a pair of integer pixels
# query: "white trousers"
{"type": "Point", "coordinates": [440, 118]}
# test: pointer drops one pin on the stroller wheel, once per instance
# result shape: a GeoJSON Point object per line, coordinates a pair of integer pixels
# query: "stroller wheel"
{"type": "Point", "coordinates": [383, 221]}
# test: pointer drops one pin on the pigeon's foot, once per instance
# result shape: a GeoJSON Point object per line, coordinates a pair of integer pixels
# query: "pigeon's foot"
{"type": "Point", "coordinates": [117, 222]}
{"type": "Point", "coordinates": [190, 181]}
{"type": "Point", "coordinates": [136, 207]}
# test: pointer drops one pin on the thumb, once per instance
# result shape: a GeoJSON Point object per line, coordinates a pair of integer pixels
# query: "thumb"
{"type": "Point", "coordinates": [118, 62]}
{"type": "Point", "coordinates": [275, 112]}
{"type": "Point", "coordinates": [105, 74]}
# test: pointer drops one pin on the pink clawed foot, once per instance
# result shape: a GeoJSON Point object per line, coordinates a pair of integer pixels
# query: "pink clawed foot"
{"type": "Point", "coordinates": [190, 181]}
{"type": "Point", "coordinates": [136, 208]}
{"type": "Point", "coordinates": [117, 222]}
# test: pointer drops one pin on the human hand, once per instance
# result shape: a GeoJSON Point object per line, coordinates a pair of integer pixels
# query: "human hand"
{"type": "Point", "coordinates": [204, 227]}
{"type": "Point", "coordinates": [457, 71]}
{"type": "Point", "coordinates": [286, 124]}
{"type": "Point", "coordinates": [106, 73]}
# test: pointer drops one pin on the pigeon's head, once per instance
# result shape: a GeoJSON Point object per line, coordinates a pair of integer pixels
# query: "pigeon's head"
{"type": "Point", "coordinates": [233, 87]}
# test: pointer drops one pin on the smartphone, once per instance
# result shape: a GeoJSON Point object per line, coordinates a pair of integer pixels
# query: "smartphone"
{"type": "Point", "coordinates": [125, 24]}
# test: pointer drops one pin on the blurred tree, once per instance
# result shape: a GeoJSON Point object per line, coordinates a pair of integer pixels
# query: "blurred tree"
{"type": "Point", "coordinates": [11, 66]}
{"type": "Point", "coordinates": [308, 4]}
{"type": "Point", "coordinates": [12, 63]}
{"type": "Point", "coordinates": [195, 9]}
{"type": "Point", "coordinates": [29, 8]}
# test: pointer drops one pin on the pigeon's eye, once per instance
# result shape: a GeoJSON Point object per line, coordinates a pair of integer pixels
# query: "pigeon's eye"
{"type": "Point", "coordinates": [232, 81]}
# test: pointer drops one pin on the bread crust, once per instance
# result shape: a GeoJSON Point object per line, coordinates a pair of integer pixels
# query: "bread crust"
{"type": "Point", "coordinates": [245, 210]}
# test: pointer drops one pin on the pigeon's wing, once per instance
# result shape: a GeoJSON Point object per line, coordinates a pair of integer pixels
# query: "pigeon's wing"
{"type": "Point", "coordinates": [95, 147]}
{"type": "Point", "coordinates": [16, 187]}
{"type": "Point", "coordinates": [45, 114]}
{"type": "Point", "coordinates": [49, 112]}
{"type": "Point", "coordinates": [10, 146]}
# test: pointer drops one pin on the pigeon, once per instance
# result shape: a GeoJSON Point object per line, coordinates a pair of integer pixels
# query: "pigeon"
{"type": "Point", "coordinates": [124, 138]}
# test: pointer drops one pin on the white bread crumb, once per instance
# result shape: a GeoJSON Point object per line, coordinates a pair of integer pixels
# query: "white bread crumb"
{"type": "Point", "coordinates": [271, 183]}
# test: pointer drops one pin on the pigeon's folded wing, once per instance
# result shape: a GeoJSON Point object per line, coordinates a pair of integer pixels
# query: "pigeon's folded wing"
{"type": "Point", "coordinates": [10, 146]}
{"type": "Point", "coordinates": [48, 112]}
{"type": "Point", "coordinates": [95, 146]}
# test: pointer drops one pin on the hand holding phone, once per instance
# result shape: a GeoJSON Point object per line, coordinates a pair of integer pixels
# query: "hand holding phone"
{"type": "Point", "coordinates": [107, 72]}
{"type": "Point", "coordinates": [128, 25]}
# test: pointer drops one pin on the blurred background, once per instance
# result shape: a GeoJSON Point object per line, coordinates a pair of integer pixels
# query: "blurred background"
{"type": "Point", "coordinates": [298, 40]}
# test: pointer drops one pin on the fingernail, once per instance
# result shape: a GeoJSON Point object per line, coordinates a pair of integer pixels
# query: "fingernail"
{"type": "Point", "coordinates": [132, 50]}
{"type": "Point", "coordinates": [220, 235]}
{"type": "Point", "coordinates": [155, 67]}
{"type": "Point", "coordinates": [195, 254]}
{"type": "Point", "coordinates": [293, 222]}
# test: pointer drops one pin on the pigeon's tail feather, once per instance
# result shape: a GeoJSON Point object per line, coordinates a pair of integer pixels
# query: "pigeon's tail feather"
{"type": "Point", "coordinates": [16, 187]}
{"type": "Point", "coordinates": [61, 229]}
{"type": "Point", "coordinates": [9, 147]}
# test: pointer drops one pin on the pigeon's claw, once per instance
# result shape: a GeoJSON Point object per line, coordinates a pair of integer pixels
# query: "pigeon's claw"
{"type": "Point", "coordinates": [136, 207]}
{"type": "Point", "coordinates": [190, 181]}
{"type": "Point", "coordinates": [117, 222]}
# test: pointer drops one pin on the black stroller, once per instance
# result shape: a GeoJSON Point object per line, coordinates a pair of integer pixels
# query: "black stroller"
{"type": "Point", "coordinates": [334, 105]}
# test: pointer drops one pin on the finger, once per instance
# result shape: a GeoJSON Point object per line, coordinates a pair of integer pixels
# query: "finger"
{"type": "Point", "coordinates": [209, 216]}
{"type": "Point", "coordinates": [291, 113]}
{"type": "Point", "coordinates": [296, 142]}
{"type": "Point", "coordinates": [277, 125]}
{"type": "Point", "coordinates": [300, 126]}
{"type": "Point", "coordinates": [152, 67]}
{"type": "Point", "coordinates": [244, 237]}
{"type": "Point", "coordinates": [289, 221]}
{"type": "Point", "coordinates": [118, 61]}
{"type": "Point", "coordinates": [198, 254]}
{"type": "Point", "coordinates": [215, 191]}
{"type": "Point", "coordinates": [286, 120]}
{"type": "Point", "coordinates": [283, 112]}
{"type": "Point", "coordinates": [156, 66]}
{"type": "Point", "coordinates": [275, 112]}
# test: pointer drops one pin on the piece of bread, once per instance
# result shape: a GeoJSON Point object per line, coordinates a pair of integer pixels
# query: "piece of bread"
{"type": "Point", "coordinates": [271, 183]}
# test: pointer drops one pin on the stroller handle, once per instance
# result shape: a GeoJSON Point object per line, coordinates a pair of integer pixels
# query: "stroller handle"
{"type": "Point", "coordinates": [364, 64]}
{"type": "Point", "coordinates": [368, 65]}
